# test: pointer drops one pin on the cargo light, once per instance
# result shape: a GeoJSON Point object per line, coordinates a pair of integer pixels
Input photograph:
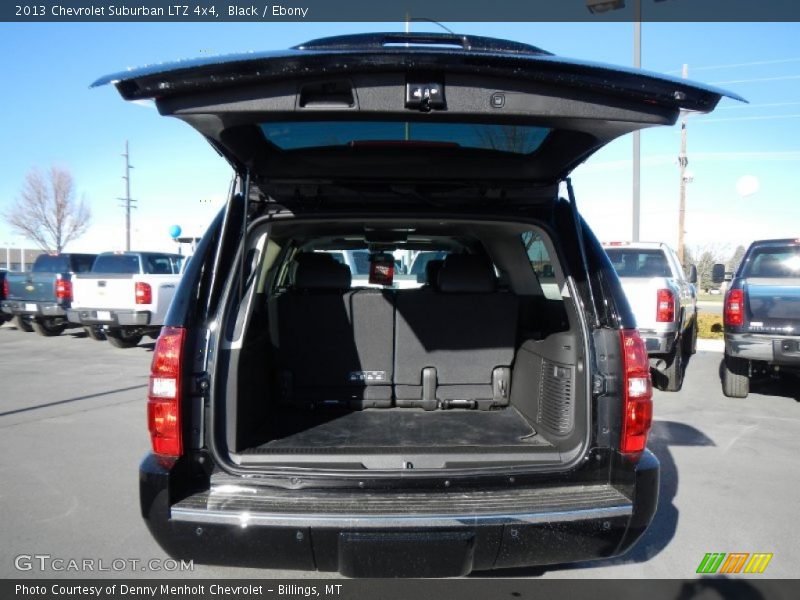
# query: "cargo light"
{"type": "Point", "coordinates": [733, 313]}
{"type": "Point", "coordinates": [637, 401]}
{"type": "Point", "coordinates": [144, 293]}
{"type": "Point", "coordinates": [63, 290]}
{"type": "Point", "coordinates": [665, 306]}
{"type": "Point", "coordinates": [164, 393]}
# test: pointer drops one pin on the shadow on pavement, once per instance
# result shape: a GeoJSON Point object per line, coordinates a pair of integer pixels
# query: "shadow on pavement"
{"type": "Point", "coordinates": [663, 435]}
{"type": "Point", "coordinates": [68, 400]}
{"type": "Point", "coordinates": [786, 385]}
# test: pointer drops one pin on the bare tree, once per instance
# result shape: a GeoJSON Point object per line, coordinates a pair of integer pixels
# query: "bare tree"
{"type": "Point", "coordinates": [47, 212]}
{"type": "Point", "coordinates": [707, 255]}
{"type": "Point", "coordinates": [738, 255]}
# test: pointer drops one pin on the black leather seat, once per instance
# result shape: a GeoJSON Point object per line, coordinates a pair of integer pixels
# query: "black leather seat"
{"type": "Point", "coordinates": [333, 345]}
{"type": "Point", "coordinates": [454, 347]}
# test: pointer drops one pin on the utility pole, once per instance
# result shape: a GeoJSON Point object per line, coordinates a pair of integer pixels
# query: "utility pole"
{"type": "Point", "coordinates": [683, 161]}
{"type": "Point", "coordinates": [127, 200]}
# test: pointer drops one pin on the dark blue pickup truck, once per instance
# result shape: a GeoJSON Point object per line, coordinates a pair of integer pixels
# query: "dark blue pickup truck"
{"type": "Point", "coordinates": [762, 315]}
{"type": "Point", "coordinates": [37, 299]}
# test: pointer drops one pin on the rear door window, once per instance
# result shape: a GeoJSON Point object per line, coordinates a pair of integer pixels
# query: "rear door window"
{"type": "Point", "coordinates": [422, 259]}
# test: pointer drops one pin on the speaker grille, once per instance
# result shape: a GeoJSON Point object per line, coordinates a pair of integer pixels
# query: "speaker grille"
{"type": "Point", "coordinates": [555, 398]}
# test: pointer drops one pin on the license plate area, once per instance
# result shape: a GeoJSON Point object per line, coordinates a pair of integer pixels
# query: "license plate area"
{"type": "Point", "coordinates": [412, 554]}
{"type": "Point", "coordinates": [31, 308]}
{"type": "Point", "coordinates": [103, 315]}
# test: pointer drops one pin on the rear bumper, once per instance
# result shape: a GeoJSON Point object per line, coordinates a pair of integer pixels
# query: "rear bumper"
{"type": "Point", "coordinates": [658, 342]}
{"type": "Point", "coordinates": [776, 350]}
{"type": "Point", "coordinates": [33, 309]}
{"type": "Point", "coordinates": [436, 534]}
{"type": "Point", "coordinates": [111, 318]}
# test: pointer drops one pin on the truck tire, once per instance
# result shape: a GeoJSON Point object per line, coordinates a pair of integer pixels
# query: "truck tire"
{"type": "Point", "coordinates": [22, 323]}
{"type": "Point", "coordinates": [674, 371]}
{"type": "Point", "coordinates": [94, 333]}
{"type": "Point", "coordinates": [123, 338]}
{"type": "Point", "coordinates": [48, 327]}
{"type": "Point", "coordinates": [735, 380]}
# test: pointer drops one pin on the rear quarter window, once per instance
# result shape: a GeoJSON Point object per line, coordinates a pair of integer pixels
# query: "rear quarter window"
{"type": "Point", "coordinates": [541, 263]}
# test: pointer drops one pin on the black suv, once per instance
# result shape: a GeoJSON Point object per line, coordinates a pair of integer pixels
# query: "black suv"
{"type": "Point", "coordinates": [493, 415]}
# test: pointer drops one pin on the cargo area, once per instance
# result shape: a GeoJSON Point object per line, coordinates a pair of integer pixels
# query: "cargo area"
{"type": "Point", "coordinates": [469, 358]}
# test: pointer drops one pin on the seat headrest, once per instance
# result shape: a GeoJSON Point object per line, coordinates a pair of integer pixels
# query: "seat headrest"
{"type": "Point", "coordinates": [466, 273]}
{"type": "Point", "coordinates": [320, 271]}
{"type": "Point", "coordinates": [432, 269]}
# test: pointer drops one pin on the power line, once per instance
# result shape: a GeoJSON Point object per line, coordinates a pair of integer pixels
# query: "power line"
{"type": "Point", "coordinates": [756, 80]}
{"type": "Point", "coordinates": [758, 118]}
{"type": "Point", "coordinates": [755, 63]}
{"type": "Point", "coordinates": [740, 106]}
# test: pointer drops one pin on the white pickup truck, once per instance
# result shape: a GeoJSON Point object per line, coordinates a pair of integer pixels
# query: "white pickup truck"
{"type": "Point", "coordinates": [125, 296]}
{"type": "Point", "coordinates": [664, 302]}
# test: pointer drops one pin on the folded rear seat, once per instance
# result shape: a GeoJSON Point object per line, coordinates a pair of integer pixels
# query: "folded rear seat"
{"type": "Point", "coordinates": [333, 345]}
{"type": "Point", "coordinates": [454, 345]}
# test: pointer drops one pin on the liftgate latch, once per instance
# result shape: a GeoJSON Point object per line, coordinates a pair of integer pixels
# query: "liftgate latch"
{"type": "Point", "coordinates": [425, 96]}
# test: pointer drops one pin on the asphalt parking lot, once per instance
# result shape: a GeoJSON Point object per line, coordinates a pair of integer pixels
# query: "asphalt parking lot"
{"type": "Point", "coordinates": [72, 431]}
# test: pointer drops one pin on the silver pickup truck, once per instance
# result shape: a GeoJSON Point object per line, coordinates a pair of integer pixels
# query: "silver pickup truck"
{"type": "Point", "coordinates": [664, 301]}
{"type": "Point", "coordinates": [125, 296]}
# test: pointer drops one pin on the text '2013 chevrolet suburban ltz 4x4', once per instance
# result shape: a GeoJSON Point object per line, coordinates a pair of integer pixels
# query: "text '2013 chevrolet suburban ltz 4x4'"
{"type": "Point", "coordinates": [494, 414]}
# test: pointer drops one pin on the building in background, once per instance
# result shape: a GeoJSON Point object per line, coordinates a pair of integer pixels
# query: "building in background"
{"type": "Point", "coordinates": [11, 258]}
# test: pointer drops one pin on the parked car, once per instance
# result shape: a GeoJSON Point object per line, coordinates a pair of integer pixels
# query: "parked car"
{"type": "Point", "coordinates": [3, 294]}
{"type": "Point", "coordinates": [38, 299]}
{"type": "Point", "coordinates": [761, 315]}
{"type": "Point", "coordinates": [664, 301]}
{"type": "Point", "coordinates": [126, 295]}
{"type": "Point", "coordinates": [300, 422]}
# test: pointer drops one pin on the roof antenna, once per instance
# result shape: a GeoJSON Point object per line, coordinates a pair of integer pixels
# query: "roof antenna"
{"type": "Point", "coordinates": [426, 20]}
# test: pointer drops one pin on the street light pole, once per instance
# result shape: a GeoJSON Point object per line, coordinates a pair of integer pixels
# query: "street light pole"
{"type": "Point", "coordinates": [637, 139]}
{"type": "Point", "coordinates": [683, 161]}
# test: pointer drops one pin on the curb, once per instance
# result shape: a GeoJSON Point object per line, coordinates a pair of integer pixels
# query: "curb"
{"type": "Point", "coordinates": [711, 345]}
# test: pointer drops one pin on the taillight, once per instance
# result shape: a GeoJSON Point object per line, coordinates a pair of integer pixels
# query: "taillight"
{"type": "Point", "coordinates": [637, 393]}
{"type": "Point", "coordinates": [665, 307]}
{"type": "Point", "coordinates": [144, 293]}
{"type": "Point", "coordinates": [164, 393]}
{"type": "Point", "coordinates": [5, 288]}
{"type": "Point", "coordinates": [734, 308]}
{"type": "Point", "coordinates": [63, 290]}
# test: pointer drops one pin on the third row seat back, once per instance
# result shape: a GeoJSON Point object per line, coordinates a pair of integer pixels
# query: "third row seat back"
{"type": "Point", "coordinates": [333, 344]}
{"type": "Point", "coordinates": [461, 336]}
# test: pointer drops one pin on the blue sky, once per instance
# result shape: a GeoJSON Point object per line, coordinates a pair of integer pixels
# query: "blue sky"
{"type": "Point", "coordinates": [51, 116]}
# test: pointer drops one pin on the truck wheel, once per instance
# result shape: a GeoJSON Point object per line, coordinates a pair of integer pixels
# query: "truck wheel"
{"type": "Point", "coordinates": [22, 323]}
{"type": "Point", "coordinates": [94, 333]}
{"type": "Point", "coordinates": [735, 380]}
{"type": "Point", "coordinates": [123, 338]}
{"type": "Point", "coordinates": [674, 371]}
{"type": "Point", "coordinates": [48, 327]}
